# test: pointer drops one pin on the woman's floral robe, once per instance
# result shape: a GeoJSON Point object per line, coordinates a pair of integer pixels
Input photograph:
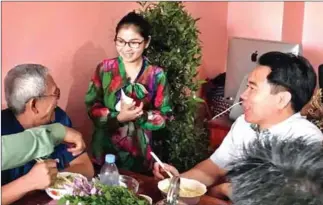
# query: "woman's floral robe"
{"type": "Point", "coordinates": [130, 141]}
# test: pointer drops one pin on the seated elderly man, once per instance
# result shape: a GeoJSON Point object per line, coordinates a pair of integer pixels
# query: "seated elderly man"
{"type": "Point", "coordinates": [272, 171]}
{"type": "Point", "coordinates": [32, 96]}
{"type": "Point", "coordinates": [277, 89]}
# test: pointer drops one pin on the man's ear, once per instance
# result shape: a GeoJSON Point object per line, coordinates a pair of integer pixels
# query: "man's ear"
{"type": "Point", "coordinates": [284, 98]}
{"type": "Point", "coordinates": [147, 42]}
{"type": "Point", "coordinates": [31, 105]}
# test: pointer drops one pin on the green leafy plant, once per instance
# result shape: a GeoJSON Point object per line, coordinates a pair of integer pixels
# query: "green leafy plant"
{"type": "Point", "coordinates": [175, 46]}
{"type": "Point", "coordinates": [112, 195]}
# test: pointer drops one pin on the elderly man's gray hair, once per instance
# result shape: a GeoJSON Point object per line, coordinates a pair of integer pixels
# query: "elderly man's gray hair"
{"type": "Point", "coordinates": [22, 83]}
{"type": "Point", "coordinates": [273, 171]}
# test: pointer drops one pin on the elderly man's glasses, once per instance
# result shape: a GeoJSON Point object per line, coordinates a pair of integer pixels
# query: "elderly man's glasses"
{"type": "Point", "coordinates": [56, 94]}
{"type": "Point", "coordinates": [132, 44]}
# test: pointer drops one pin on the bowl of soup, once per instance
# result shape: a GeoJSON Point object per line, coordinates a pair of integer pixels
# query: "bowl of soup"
{"type": "Point", "coordinates": [190, 190]}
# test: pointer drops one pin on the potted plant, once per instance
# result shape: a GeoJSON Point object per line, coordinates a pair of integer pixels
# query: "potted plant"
{"type": "Point", "coordinates": [175, 46]}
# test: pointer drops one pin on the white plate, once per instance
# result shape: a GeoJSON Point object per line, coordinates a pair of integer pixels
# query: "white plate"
{"type": "Point", "coordinates": [56, 194]}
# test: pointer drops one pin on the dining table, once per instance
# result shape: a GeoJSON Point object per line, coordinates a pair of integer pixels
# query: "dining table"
{"type": "Point", "coordinates": [147, 186]}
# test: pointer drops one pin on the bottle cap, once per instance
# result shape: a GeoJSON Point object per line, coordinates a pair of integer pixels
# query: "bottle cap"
{"type": "Point", "coordinates": [110, 158]}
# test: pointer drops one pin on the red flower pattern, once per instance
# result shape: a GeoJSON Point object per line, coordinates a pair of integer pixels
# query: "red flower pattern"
{"type": "Point", "coordinates": [125, 143]}
{"type": "Point", "coordinates": [96, 80]}
{"type": "Point", "coordinates": [99, 112]}
{"type": "Point", "coordinates": [115, 83]}
{"type": "Point", "coordinates": [159, 95]}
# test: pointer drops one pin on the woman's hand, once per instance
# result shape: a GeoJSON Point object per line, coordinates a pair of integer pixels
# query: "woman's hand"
{"type": "Point", "coordinates": [129, 112]}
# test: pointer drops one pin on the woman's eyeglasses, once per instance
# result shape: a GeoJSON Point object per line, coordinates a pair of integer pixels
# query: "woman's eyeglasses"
{"type": "Point", "coordinates": [131, 44]}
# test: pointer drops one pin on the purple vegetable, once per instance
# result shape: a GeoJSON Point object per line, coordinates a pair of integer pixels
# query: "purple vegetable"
{"type": "Point", "coordinates": [83, 187]}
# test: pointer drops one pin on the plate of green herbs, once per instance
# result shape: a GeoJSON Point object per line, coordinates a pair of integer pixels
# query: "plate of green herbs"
{"type": "Point", "coordinates": [83, 192]}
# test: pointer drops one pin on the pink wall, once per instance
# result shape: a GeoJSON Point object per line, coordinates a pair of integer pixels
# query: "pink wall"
{"type": "Point", "coordinates": [261, 20]}
{"type": "Point", "coordinates": [72, 37]}
{"type": "Point", "coordinates": [313, 33]}
{"type": "Point", "coordinates": [293, 22]}
{"type": "Point", "coordinates": [213, 27]}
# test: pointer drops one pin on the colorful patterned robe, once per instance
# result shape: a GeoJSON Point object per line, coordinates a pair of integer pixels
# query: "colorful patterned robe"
{"type": "Point", "coordinates": [130, 141]}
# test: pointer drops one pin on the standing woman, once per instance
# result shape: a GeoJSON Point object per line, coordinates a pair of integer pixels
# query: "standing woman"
{"type": "Point", "coordinates": [123, 125]}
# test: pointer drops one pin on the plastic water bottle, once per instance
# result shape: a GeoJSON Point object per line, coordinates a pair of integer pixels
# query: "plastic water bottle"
{"type": "Point", "coordinates": [109, 174]}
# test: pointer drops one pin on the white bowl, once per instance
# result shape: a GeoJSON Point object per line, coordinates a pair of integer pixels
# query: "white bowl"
{"type": "Point", "coordinates": [191, 184]}
{"type": "Point", "coordinates": [57, 193]}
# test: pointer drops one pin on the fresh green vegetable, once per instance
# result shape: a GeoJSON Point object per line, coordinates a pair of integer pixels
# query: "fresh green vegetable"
{"type": "Point", "coordinates": [109, 195]}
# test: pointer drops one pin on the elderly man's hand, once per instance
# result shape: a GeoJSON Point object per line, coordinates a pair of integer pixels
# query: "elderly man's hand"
{"type": "Point", "coordinates": [42, 175]}
{"type": "Point", "coordinates": [74, 137]}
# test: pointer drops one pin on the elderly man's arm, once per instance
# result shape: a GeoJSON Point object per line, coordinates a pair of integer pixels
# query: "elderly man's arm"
{"type": "Point", "coordinates": [69, 161]}
{"type": "Point", "coordinates": [45, 173]}
{"type": "Point", "coordinates": [15, 190]}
